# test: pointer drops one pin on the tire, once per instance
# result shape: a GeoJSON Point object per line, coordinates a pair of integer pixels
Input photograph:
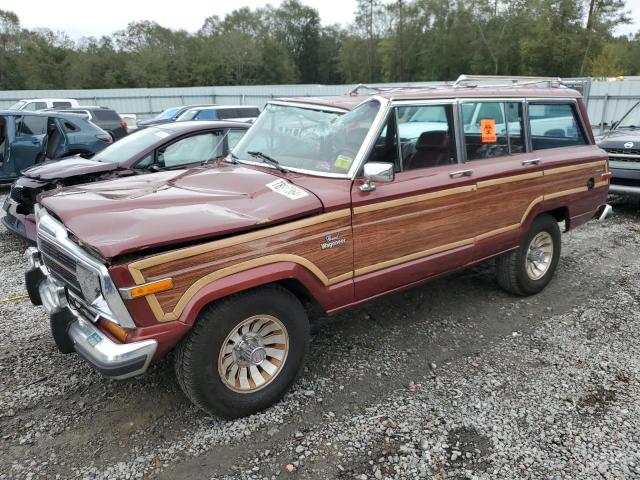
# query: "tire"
{"type": "Point", "coordinates": [516, 274]}
{"type": "Point", "coordinates": [201, 362]}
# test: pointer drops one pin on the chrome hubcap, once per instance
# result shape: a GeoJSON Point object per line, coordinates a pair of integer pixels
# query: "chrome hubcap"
{"type": "Point", "coordinates": [539, 256]}
{"type": "Point", "coordinates": [253, 353]}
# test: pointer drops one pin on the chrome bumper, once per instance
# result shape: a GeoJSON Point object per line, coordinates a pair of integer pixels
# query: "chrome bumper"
{"type": "Point", "coordinates": [605, 211]}
{"type": "Point", "coordinates": [111, 359]}
{"type": "Point", "coordinates": [624, 189]}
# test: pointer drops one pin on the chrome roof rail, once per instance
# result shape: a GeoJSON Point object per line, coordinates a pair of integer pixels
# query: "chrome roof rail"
{"type": "Point", "coordinates": [517, 81]}
{"type": "Point", "coordinates": [356, 90]}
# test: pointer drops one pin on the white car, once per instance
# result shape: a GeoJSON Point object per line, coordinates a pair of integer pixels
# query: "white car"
{"type": "Point", "coordinates": [33, 104]}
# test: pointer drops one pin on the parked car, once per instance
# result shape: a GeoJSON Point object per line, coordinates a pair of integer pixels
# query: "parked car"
{"type": "Point", "coordinates": [241, 113]}
{"type": "Point", "coordinates": [34, 104]}
{"type": "Point", "coordinates": [28, 138]}
{"type": "Point", "coordinates": [324, 201]}
{"type": "Point", "coordinates": [105, 118]}
{"type": "Point", "coordinates": [164, 147]}
{"type": "Point", "coordinates": [622, 143]}
{"type": "Point", "coordinates": [169, 115]}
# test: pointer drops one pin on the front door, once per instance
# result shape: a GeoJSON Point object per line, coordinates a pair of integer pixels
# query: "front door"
{"type": "Point", "coordinates": [27, 145]}
{"type": "Point", "coordinates": [416, 226]}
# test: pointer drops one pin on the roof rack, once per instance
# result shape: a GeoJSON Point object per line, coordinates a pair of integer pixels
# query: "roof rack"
{"type": "Point", "coordinates": [520, 81]}
{"type": "Point", "coordinates": [354, 91]}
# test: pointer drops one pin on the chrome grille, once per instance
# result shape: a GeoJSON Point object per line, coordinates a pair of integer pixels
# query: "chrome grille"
{"type": "Point", "coordinates": [59, 263]}
{"type": "Point", "coordinates": [624, 151]}
{"type": "Point", "coordinates": [624, 154]}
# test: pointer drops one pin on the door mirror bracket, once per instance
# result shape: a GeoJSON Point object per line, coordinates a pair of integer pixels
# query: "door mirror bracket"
{"type": "Point", "coordinates": [376, 172]}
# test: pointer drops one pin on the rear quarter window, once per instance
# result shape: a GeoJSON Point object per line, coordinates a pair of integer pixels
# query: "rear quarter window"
{"type": "Point", "coordinates": [61, 104]}
{"type": "Point", "coordinates": [555, 125]}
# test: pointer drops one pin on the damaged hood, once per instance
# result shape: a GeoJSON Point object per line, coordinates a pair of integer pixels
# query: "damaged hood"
{"type": "Point", "coordinates": [134, 214]}
{"type": "Point", "coordinates": [66, 168]}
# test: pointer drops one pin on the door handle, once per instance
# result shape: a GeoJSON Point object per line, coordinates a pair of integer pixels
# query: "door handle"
{"type": "Point", "coordinates": [35, 141]}
{"type": "Point", "coordinates": [533, 161]}
{"type": "Point", "coordinates": [461, 173]}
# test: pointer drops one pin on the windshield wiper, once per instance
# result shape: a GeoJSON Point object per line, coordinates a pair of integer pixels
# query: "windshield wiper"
{"type": "Point", "coordinates": [229, 158]}
{"type": "Point", "coordinates": [267, 159]}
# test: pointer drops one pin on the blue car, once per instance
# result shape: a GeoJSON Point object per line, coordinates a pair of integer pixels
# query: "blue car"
{"type": "Point", "coordinates": [28, 138]}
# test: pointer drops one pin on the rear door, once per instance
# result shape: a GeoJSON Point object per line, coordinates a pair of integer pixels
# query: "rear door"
{"type": "Point", "coordinates": [416, 226]}
{"type": "Point", "coordinates": [506, 172]}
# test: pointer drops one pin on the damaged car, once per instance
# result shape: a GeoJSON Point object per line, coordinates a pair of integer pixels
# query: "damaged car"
{"type": "Point", "coordinates": [28, 138]}
{"type": "Point", "coordinates": [164, 147]}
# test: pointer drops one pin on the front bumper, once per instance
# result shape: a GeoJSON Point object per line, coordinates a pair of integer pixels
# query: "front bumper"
{"type": "Point", "coordinates": [71, 329]}
{"type": "Point", "coordinates": [18, 223]}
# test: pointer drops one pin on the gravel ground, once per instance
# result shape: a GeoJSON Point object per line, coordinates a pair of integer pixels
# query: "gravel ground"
{"type": "Point", "coordinates": [454, 379]}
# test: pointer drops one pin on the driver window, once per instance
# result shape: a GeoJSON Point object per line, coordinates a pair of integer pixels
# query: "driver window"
{"type": "Point", "coordinates": [195, 149]}
{"type": "Point", "coordinates": [426, 136]}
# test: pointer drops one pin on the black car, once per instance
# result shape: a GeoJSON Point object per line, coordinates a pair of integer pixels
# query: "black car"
{"type": "Point", "coordinates": [163, 147]}
{"type": "Point", "coordinates": [169, 115]}
{"type": "Point", "coordinates": [105, 118]}
{"type": "Point", "coordinates": [622, 143]}
{"type": "Point", "coordinates": [28, 138]}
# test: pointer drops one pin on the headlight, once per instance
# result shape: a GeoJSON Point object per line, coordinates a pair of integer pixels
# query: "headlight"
{"type": "Point", "coordinates": [89, 283]}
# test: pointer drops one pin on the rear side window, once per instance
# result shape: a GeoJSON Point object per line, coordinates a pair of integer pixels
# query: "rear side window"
{"type": "Point", "coordinates": [61, 104]}
{"type": "Point", "coordinates": [493, 129]}
{"type": "Point", "coordinates": [31, 125]}
{"type": "Point", "coordinates": [106, 115]}
{"type": "Point", "coordinates": [33, 106]}
{"type": "Point", "coordinates": [554, 125]}
{"type": "Point", "coordinates": [227, 113]}
{"type": "Point", "coordinates": [207, 115]}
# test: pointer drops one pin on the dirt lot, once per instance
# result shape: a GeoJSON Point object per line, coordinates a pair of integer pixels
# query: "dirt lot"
{"type": "Point", "coordinates": [454, 379]}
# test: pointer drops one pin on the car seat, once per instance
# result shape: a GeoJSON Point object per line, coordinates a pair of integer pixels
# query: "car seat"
{"type": "Point", "coordinates": [432, 150]}
{"type": "Point", "coordinates": [53, 140]}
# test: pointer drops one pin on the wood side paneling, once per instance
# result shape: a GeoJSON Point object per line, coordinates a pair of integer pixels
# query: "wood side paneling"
{"type": "Point", "coordinates": [383, 234]}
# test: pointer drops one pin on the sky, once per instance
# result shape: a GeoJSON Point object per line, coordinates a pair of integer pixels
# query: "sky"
{"type": "Point", "coordinates": [80, 18]}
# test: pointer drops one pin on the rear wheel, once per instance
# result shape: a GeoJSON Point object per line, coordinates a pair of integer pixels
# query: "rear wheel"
{"type": "Point", "coordinates": [529, 269]}
{"type": "Point", "coordinates": [244, 352]}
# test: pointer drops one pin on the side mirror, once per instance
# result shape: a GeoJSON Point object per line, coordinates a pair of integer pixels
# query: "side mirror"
{"type": "Point", "coordinates": [376, 172]}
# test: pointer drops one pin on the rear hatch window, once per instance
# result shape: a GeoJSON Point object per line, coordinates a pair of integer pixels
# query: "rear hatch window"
{"type": "Point", "coordinates": [106, 115]}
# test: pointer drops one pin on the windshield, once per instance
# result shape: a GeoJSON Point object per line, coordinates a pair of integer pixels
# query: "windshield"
{"type": "Point", "coordinates": [186, 116]}
{"type": "Point", "coordinates": [168, 113]}
{"type": "Point", "coordinates": [309, 139]}
{"type": "Point", "coordinates": [18, 105]}
{"type": "Point", "coordinates": [631, 118]}
{"type": "Point", "coordinates": [130, 145]}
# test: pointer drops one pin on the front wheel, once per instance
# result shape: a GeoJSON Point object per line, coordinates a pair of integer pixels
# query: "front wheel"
{"type": "Point", "coordinates": [244, 352]}
{"type": "Point", "coordinates": [529, 269]}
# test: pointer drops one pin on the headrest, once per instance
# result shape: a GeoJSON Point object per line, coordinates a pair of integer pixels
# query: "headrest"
{"type": "Point", "coordinates": [433, 141]}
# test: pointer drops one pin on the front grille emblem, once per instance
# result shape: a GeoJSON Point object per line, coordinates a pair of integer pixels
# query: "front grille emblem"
{"type": "Point", "coordinates": [628, 145]}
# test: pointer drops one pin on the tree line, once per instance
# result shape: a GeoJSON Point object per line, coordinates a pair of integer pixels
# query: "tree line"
{"type": "Point", "coordinates": [388, 41]}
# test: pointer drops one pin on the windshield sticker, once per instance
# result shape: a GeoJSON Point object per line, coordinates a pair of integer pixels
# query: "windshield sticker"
{"type": "Point", "coordinates": [343, 162]}
{"type": "Point", "coordinates": [488, 130]}
{"type": "Point", "coordinates": [288, 190]}
{"type": "Point", "coordinates": [162, 134]}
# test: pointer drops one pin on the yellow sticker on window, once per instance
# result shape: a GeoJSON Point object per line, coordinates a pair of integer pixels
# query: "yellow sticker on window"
{"type": "Point", "coordinates": [343, 162]}
{"type": "Point", "coordinates": [488, 130]}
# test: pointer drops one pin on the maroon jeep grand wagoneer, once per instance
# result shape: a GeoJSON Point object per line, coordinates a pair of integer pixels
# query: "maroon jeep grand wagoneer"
{"type": "Point", "coordinates": [334, 201]}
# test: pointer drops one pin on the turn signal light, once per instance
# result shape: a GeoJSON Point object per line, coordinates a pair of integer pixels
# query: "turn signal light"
{"type": "Point", "coordinates": [148, 288]}
{"type": "Point", "coordinates": [607, 175]}
{"type": "Point", "coordinates": [115, 330]}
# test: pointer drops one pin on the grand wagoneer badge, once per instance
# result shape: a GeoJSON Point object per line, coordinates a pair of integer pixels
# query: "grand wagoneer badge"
{"type": "Point", "coordinates": [332, 241]}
